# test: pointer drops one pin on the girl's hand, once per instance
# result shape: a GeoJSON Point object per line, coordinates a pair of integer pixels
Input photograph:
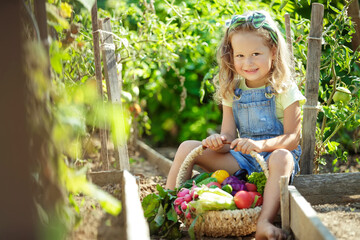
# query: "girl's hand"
{"type": "Point", "coordinates": [214, 142]}
{"type": "Point", "coordinates": [245, 145]}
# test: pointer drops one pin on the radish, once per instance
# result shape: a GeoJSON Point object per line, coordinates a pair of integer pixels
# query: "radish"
{"type": "Point", "coordinates": [187, 198]}
{"type": "Point", "coordinates": [188, 215]}
{"type": "Point", "coordinates": [184, 205]}
{"type": "Point", "coordinates": [183, 192]}
{"type": "Point", "coordinates": [177, 210]}
{"type": "Point", "coordinates": [179, 200]}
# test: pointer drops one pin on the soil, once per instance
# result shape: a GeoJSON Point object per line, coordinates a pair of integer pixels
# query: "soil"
{"type": "Point", "coordinates": [341, 220]}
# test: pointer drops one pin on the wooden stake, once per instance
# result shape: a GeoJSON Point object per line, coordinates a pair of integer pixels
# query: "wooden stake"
{"type": "Point", "coordinates": [103, 134]}
{"type": "Point", "coordinates": [284, 204]}
{"type": "Point", "coordinates": [114, 89]}
{"type": "Point", "coordinates": [312, 89]}
{"type": "Point", "coordinates": [354, 13]}
{"type": "Point", "coordinates": [40, 15]}
{"type": "Point", "coordinates": [289, 41]}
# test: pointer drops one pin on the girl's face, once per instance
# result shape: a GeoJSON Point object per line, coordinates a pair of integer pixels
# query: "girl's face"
{"type": "Point", "coordinates": [252, 58]}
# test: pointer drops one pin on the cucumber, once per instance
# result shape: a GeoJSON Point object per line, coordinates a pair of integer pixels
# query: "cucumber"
{"type": "Point", "coordinates": [201, 177]}
{"type": "Point", "coordinates": [206, 181]}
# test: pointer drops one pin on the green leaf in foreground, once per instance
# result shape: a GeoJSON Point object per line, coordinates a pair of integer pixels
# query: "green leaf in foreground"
{"type": "Point", "coordinates": [150, 204]}
{"type": "Point", "coordinates": [160, 214]}
{"type": "Point", "coordinates": [171, 215]}
{"type": "Point", "coordinates": [159, 218]}
{"type": "Point", "coordinates": [191, 230]}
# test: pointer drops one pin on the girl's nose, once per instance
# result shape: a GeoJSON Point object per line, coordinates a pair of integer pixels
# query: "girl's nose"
{"type": "Point", "coordinates": [248, 61]}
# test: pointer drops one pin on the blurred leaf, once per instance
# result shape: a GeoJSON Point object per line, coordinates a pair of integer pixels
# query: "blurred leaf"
{"type": "Point", "coordinates": [88, 4]}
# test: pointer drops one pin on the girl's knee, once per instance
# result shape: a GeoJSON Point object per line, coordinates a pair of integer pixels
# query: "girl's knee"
{"type": "Point", "coordinates": [185, 148]}
{"type": "Point", "coordinates": [281, 157]}
{"type": "Point", "coordinates": [188, 146]}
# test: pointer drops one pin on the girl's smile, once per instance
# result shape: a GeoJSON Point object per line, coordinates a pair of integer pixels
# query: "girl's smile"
{"type": "Point", "coordinates": [252, 58]}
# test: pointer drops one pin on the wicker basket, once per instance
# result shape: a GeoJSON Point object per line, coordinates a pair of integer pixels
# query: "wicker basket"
{"type": "Point", "coordinates": [223, 223]}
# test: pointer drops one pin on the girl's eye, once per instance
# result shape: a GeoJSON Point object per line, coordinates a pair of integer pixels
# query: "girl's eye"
{"type": "Point", "coordinates": [239, 55]}
{"type": "Point", "coordinates": [256, 54]}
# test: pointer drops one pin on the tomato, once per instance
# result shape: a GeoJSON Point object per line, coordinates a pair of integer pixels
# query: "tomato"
{"type": "Point", "coordinates": [213, 184]}
{"type": "Point", "coordinates": [259, 201]}
{"type": "Point", "coordinates": [342, 94]}
{"type": "Point", "coordinates": [251, 187]}
{"type": "Point", "coordinates": [220, 175]}
{"type": "Point", "coordinates": [243, 199]}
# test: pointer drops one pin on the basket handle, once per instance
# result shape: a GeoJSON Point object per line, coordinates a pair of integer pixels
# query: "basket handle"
{"type": "Point", "coordinates": [190, 158]}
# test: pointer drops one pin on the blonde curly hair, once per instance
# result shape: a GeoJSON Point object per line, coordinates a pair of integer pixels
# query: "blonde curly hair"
{"type": "Point", "coordinates": [279, 76]}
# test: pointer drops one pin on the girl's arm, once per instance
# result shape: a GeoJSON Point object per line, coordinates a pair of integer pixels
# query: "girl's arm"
{"type": "Point", "coordinates": [228, 132]}
{"type": "Point", "coordinates": [289, 140]}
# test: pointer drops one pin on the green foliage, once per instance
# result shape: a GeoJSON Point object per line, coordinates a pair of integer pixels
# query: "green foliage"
{"type": "Point", "coordinates": [160, 213]}
{"type": "Point", "coordinates": [70, 109]}
{"type": "Point", "coordinates": [259, 179]}
{"type": "Point", "coordinates": [168, 52]}
{"type": "Point", "coordinates": [339, 68]}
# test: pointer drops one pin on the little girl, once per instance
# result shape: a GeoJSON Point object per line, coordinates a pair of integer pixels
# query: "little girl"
{"type": "Point", "coordinates": [261, 112]}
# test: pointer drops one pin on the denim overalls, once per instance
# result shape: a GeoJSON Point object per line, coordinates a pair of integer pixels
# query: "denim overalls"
{"type": "Point", "coordinates": [255, 117]}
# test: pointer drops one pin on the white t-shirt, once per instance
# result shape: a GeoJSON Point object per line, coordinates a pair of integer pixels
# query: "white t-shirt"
{"type": "Point", "coordinates": [282, 100]}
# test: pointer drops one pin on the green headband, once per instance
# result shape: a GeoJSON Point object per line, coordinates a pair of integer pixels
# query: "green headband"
{"type": "Point", "coordinates": [257, 19]}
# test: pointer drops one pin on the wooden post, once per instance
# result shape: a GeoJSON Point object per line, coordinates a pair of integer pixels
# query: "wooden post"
{"type": "Point", "coordinates": [103, 134]}
{"type": "Point", "coordinates": [312, 89]}
{"type": "Point", "coordinates": [40, 15]}
{"type": "Point", "coordinates": [354, 13]}
{"type": "Point", "coordinates": [113, 88]}
{"type": "Point", "coordinates": [284, 204]}
{"type": "Point", "coordinates": [18, 214]}
{"type": "Point", "coordinates": [289, 41]}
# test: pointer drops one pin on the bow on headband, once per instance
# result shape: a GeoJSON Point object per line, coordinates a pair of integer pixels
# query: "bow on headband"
{"type": "Point", "coordinates": [257, 19]}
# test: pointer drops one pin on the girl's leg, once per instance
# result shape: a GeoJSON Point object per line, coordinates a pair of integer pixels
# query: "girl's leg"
{"type": "Point", "coordinates": [280, 164]}
{"type": "Point", "coordinates": [209, 161]}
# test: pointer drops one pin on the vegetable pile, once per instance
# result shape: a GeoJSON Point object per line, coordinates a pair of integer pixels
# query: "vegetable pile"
{"type": "Point", "coordinates": [219, 191]}
{"type": "Point", "coordinates": [205, 192]}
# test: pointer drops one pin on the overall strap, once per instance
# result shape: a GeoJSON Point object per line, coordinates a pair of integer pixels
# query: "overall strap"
{"type": "Point", "coordinates": [269, 92]}
{"type": "Point", "coordinates": [238, 93]}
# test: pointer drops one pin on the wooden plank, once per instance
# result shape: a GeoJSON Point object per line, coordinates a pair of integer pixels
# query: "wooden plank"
{"type": "Point", "coordinates": [329, 188]}
{"type": "Point", "coordinates": [103, 134]}
{"type": "Point", "coordinates": [154, 157]}
{"type": "Point", "coordinates": [303, 219]}
{"type": "Point", "coordinates": [114, 92]}
{"type": "Point", "coordinates": [136, 226]}
{"type": "Point", "coordinates": [103, 178]}
{"type": "Point", "coordinates": [312, 89]}
{"type": "Point", "coordinates": [284, 204]}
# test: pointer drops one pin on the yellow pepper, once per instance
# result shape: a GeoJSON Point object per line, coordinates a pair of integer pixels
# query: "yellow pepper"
{"type": "Point", "coordinates": [220, 175]}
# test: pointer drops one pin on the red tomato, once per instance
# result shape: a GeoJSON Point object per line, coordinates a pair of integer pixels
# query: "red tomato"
{"type": "Point", "coordinates": [251, 187]}
{"type": "Point", "coordinates": [243, 199]}
{"type": "Point", "coordinates": [259, 200]}
{"type": "Point", "coordinates": [214, 183]}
